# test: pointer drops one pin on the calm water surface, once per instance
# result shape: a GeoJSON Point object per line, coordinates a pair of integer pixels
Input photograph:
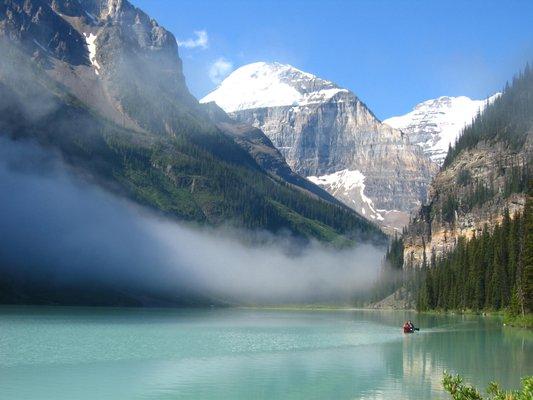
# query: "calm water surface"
{"type": "Point", "coordinates": [76, 354]}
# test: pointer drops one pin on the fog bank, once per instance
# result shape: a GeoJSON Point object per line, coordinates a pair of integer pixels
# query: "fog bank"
{"type": "Point", "coordinates": [71, 232]}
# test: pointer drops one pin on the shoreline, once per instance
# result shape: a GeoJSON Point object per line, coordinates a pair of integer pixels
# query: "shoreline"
{"type": "Point", "coordinates": [526, 321]}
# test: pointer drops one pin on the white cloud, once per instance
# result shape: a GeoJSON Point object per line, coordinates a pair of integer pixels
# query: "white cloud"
{"type": "Point", "coordinates": [200, 41]}
{"type": "Point", "coordinates": [220, 69]}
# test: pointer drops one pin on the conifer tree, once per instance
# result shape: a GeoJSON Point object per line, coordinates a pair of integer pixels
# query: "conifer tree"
{"type": "Point", "coordinates": [526, 275]}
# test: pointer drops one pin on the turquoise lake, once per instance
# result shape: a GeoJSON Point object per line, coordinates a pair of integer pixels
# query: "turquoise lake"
{"type": "Point", "coordinates": [81, 353]}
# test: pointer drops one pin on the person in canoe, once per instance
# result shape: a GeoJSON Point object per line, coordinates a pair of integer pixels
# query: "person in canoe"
{"type": "Point", "coordinates": [408, 327]}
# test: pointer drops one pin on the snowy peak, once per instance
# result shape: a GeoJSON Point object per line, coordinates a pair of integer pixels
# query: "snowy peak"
{"type": "Point", "coordinates": [261, 84]}
{"type": "Point", "coordinates": [435, 124]}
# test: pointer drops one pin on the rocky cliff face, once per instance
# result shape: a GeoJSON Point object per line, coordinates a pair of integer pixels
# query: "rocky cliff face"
{"type": "Point", "coordinates": [453, 212]}
{"type": "Point", "coordinates": [435, 124]}
{"type": "Point", "coordinates": [259, 146]}
{"type": "Point", "coordinates": [326, 133]}
{"type": "Point", "coordinates": [109, 54]}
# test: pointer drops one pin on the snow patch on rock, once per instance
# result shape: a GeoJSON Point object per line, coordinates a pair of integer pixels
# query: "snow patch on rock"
{"type": "Point", "coordinates": [349, 186]}
{"type": "Point", "coordinates": [90, 38]}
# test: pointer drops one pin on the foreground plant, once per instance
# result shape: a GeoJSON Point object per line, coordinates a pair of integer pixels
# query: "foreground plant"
{"type": "Point", "coordinates": [453, 384]}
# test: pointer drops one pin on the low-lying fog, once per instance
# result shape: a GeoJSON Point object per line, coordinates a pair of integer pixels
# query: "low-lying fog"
{"type": "Point", "coordinates": [62, 227]}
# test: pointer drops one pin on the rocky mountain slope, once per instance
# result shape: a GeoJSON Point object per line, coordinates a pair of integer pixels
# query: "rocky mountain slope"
{"type": "Point", "coordinates": [102, 82]}
{"type": "Point", "coordinates": [436, 124]}
{"type": "Point", "coordinates": [327, 134]}
{"type": "Point", "coordinates": [486, 174]}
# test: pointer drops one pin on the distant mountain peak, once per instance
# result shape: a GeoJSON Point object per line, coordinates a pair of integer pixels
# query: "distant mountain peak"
{"type": "Point", "coordinates": [436, 123]}
{"type": "Point", "coordinates": [262, 84]}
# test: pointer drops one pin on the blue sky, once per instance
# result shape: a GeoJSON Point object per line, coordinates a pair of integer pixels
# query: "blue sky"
{"type": "Point", "coordinates": [392, 54]}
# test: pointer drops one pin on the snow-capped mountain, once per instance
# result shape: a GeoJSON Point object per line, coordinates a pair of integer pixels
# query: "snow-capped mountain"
{"type": "Point", "coordinates": [435, 124]}
{"type": "Point", "coordinates": [260, 85]}
{"type": "Point", "coordinates": [327, 134]}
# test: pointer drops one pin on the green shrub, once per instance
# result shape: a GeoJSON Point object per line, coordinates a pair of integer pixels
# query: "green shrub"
{"type": "Point", "coordinates": [459, 391]}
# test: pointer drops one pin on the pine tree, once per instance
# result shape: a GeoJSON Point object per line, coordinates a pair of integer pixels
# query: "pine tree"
{"type": "Point", "coordinates": [526, 275]}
